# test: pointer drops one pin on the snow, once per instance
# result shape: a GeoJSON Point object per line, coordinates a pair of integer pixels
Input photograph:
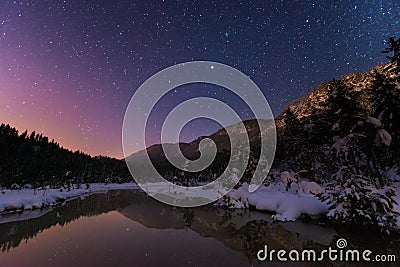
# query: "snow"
{"type": "Point", "coordinates": [392, 174]}
{"type": "Point", "coordinates": [385, 137]}
{"type": "Point", "coordinates": [181, 194]}
{"type": "Point", "coordinates": [309, 188]}
{"type": "Point", "coordinates": [288, 205]}
{"type": "Point", "coordinates": [29, 199]}
{"type": "Point", "coordinates": [288, 201]}
{"type": "Point", "coordinates": [374, 121]}
{"type": "Point", "coordinates": [287, 177]}
{"type": "Point", "coordinates": [340, 143]}
{"type": "Point", "coordinates": [396, 207]}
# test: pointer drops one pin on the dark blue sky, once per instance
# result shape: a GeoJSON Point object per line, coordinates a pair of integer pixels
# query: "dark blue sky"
{"type": "Point", "coordinates": [69, 68]}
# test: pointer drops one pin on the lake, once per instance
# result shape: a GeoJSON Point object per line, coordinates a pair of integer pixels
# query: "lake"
{"type": "Point", "coordinates": [128, 228]}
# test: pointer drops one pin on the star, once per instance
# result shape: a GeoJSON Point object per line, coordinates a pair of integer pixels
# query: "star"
{"type": "Point", "coordinates": [87, 60]}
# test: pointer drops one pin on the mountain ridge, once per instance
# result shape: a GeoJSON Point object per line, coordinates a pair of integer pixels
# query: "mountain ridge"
{"type": "Point", "coordinates": [327, 112]}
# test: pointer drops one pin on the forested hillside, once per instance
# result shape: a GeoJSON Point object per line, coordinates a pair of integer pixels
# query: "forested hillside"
{"type": "Point", "coordinates": [30, 158]}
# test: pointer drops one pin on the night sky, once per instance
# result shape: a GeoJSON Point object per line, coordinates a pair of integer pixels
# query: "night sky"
{"type": "Point", "coordinates": [69, 68]}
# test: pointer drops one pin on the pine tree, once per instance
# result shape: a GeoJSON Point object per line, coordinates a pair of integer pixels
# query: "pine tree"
{"type": "Point", "coordinates": [394, 46]}
{"type": "Point", "coordinates": [354, 199]}
{"type": "Point", "coordinates": [33, 160]}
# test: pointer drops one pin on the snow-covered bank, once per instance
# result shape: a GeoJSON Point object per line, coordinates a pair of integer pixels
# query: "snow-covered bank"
{"type": "Point", "coordinates": [288, 200]}
{"type": "Point", "coordinates": [288, 205]}
{"type": "Point", "coordinates": [30, 199]}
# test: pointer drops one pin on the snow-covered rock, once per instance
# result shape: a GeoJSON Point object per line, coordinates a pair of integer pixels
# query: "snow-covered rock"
{"type": "Point", "coordinates": [385, 137]}
{"type": "Point", "coordinates": [309, 188]}
{"type": "Point", "coordinates": [374, 121]}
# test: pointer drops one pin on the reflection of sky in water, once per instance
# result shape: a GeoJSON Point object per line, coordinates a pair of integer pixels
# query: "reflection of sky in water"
{"type": "Point", "coordinates": [128, 228]}
{"type": "Point", "coordinates": [113, 240]}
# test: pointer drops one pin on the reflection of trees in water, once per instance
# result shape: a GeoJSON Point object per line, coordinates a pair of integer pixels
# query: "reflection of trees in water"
{"type": "Point", "coordinates": [378, 243]}
{"type": "Point", "coordinates": [252, 237]}
{"type": "Point", "coordinates": [241, 230]}
{"type": "Point", "coordinates": [188, 217]}
{"type": "Point", "coordinates": [11, 234]}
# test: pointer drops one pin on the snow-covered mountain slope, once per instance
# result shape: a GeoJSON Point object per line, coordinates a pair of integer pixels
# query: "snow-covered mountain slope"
{"type": "Point", "coordinates": [356, 116]}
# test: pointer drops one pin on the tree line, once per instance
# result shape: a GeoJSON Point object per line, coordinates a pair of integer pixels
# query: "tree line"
{"type": "Point", "coordinates": [30, 158]}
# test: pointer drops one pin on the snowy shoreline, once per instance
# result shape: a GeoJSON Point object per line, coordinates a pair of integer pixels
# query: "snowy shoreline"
{"type": "Point", "coordinates": [22, 200]}
{"type": "Point", "coordinates": [288, 205]}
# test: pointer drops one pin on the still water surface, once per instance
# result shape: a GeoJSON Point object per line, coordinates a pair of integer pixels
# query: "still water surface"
{"type": "Point", "coordinates": [127, 228]}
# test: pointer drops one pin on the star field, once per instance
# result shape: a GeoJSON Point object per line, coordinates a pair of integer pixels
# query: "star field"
{"type": "Point", "coordinates": [69, 68]}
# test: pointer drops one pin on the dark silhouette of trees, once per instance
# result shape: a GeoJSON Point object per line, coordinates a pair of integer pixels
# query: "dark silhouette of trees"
{"type": "Point", "coordinates": [394, 46]}
{"type": "Point", "coordinates": [33, 159]}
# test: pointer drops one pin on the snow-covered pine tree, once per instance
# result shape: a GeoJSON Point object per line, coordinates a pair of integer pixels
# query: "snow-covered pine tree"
{"type": "Point", "coordinates": [359, 192]}
{"type": "Point", "coordinates": [354, 199]}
